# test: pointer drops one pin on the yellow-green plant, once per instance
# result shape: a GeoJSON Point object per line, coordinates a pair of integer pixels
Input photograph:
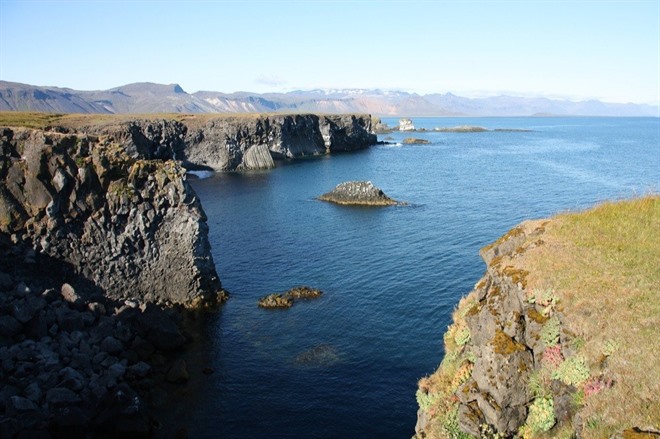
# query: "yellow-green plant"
{"type": "Point", "coordinates": [572, 371]}
{"type": "Point", "coordinates": [541, 416]}
{"type": "Point", "coordinates": [550, 332]}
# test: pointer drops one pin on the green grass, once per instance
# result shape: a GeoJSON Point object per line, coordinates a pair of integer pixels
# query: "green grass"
{"type": "Point", "coordinates": [601, 269]}
{"type": "Point", "coordinates": [604, 264]}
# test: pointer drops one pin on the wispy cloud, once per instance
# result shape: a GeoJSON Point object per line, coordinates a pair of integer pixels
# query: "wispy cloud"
{"type": "Point", "coordinates": [270, 79]}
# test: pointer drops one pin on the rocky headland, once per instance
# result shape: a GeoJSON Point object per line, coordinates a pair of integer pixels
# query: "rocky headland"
{"type": "Point", "coordinates": [237, 142]}
{"type": "Point", "coordinates": [358, 193]}
{"type": "Point", "coordinates": [554, 340]}
{"type": "Point", "coordinates": [104, 255]}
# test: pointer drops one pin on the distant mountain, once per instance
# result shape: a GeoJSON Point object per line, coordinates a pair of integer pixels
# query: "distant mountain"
{"type": "Point", "coordinates": [147, 97]}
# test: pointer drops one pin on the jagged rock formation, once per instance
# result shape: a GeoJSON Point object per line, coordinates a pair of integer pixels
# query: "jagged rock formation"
{"type": "Point", "coordinates": [239, 142]}
{"type": "Point", "coordinates": [360, 193]}
{"type": "Point", "coordinates": [496, 343]}
{"type": "Point", "coordinates": [134, 227]}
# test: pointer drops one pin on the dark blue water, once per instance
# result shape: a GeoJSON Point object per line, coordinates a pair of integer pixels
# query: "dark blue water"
{"type": "Point", "coordinates": [391, 276]}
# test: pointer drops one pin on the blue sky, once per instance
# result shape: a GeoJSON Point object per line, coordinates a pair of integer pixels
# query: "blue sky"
{"type": "Point", "coordinates": [608, 50]}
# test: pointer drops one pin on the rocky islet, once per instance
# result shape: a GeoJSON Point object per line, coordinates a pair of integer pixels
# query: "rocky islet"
{"type": "Point", "coordinates": [358, 193]}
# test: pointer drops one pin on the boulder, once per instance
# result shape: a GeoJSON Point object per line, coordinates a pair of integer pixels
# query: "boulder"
{"type": "Point", "coordinates": [9, 326]}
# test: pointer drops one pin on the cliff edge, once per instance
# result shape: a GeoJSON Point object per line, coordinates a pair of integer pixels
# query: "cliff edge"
{"type": "Point", "coordinates": [558, 337]}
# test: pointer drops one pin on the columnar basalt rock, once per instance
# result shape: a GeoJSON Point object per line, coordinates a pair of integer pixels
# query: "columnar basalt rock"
{"type": "Point", "coordinates": [133, 227]}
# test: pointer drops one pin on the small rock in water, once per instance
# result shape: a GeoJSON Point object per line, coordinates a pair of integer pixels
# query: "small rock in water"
{"type": "Point", "coordinates": [275, 301]}
{"type": "Point", "coordinates": [359, 193]}
{"type": "Point", "coordinates": [415, 141]}
{"type": "Point", "coordinates": [287, 299]}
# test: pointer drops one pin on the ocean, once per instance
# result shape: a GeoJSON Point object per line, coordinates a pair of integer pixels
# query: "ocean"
{"type": "Point", "coordinates": [346, 365]}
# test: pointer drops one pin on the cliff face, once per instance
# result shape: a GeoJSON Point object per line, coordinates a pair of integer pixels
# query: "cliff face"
{"type": "Point", "coordinates": [241, 143]}
{"type": "Point", "coordinates": [134, 227]}
{"type": "Point", "coordinates": [494, 344]}
{"type": "Point", "coordinates": [553, 339]}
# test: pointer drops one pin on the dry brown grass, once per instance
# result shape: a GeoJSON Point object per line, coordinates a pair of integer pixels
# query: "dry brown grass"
{"type": "Point", "coordinates": [604, 265]}
{"type": "Point", "coordinates": [80, 121]}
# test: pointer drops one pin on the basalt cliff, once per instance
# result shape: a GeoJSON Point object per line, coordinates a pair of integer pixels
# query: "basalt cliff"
{"type": "Point", "coordinates": [231, 143]}
{"type": "Point", "coordinates": [131, 226]}
{"type": "Point", "coordinates": [555, 339]}
{"type": "Point", "coordinates": [108, 195]}
{"type": "Point", "coordinates": [104, 251]}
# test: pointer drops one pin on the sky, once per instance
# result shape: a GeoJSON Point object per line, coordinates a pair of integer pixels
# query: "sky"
{"type": "Point", "coordinates": [577, 50]}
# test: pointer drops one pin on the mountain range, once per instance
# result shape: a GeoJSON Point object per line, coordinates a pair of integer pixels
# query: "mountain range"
{"type": "Point", "coordinates": [148, 97]}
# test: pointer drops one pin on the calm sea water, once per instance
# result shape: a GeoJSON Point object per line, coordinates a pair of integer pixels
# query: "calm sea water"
{"type": "Point", "coordinates": [346, 365]}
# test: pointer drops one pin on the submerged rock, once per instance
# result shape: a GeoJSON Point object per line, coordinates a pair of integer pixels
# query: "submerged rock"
{"type": "Point", "coordinates": [361, 193]}
{"type": "Point", "coordinates": [462, 129]}
{"type": "Point", "coordinates": [321, 355]}
{"type": "Point", "coordinates": [415, 141]}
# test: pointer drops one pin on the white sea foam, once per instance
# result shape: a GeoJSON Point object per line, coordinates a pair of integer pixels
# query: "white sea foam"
{"type": "Point", "coordinates": [201, 174]}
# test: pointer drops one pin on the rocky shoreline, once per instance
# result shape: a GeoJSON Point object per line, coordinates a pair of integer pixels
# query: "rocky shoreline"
{"type": "Point", "coordinates": [75, 364]}
{"type": "Point", "coordinates": [104, 257]}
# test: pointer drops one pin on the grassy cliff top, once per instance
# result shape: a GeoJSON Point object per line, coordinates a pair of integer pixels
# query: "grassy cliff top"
{"type": "Point", "coordinates": [604, 266]}
{"type": "Point", "coordinates": [75, 121]}
{"type": "Point", "coordinates": [599, 270]}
